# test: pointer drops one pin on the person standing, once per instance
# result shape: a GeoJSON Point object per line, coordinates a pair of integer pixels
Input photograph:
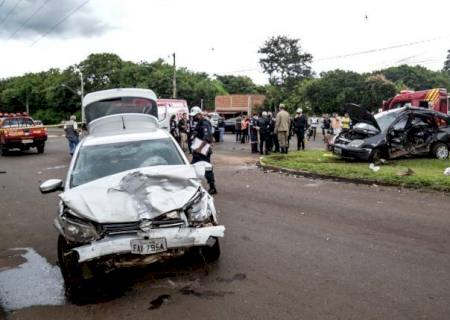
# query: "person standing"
{"type": "Point", "coordinates": [238, 127]}
{"type": "Point", "coordinates": [71, 132]}
{"type": "Point", "coordinates": [336, 124]}
{"type": "Point", "coordinates": [274, 145]}
{"type": "Point", "coordinates": [174, 128]}
{"type": "Point", "coordinates": [282, 126]}
{"type": "Point", "coordinates": [264, 133]}
{"type": "Point", "coordinates": [300, 126]}
{"type": "Point", "coordinates": [203, 132]}
{"type": "Point", "coordinates": [221, 126]}
{"type": "Point", "coordinates": [345, 122]}
{"type": "Point", "coordinates": [184, 131]}
{"type": "Point", "coordinates": [254, 133]}
{"type": "Point", "coordinates": [245, 123]}
{"type": "Point", "coordinates": [314, 125]}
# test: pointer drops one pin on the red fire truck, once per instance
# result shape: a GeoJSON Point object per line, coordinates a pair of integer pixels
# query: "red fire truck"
{"type": "Point", "coordinates": [436, 99]}
{"type": "Point", "coordinates": [18, 131]}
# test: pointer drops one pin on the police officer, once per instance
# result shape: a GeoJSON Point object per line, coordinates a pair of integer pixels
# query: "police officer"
{"type": "Point", "coordinates": [203, 132]}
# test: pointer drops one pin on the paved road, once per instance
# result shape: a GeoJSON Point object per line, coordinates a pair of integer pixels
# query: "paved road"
{"type": "Point", "coordinates": [295, 248]}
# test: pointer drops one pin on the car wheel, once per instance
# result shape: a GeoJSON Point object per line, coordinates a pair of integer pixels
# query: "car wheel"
{"type": "Point", "coordinates": [3, 151]}
{"type": "Point", "coordinates": [211, 253]}
{"type": "Point", "coordinates": [375, 156]}
{"type": "Point", "coordinates": [440, 151]}
{"type": "Point", "coordinates": [70, 268]}
{"type": "Point", "coordinates": [40, 148]}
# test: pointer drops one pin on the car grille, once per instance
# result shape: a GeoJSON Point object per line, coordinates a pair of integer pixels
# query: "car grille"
{"type": "Point", "coordinates": [133, 227]}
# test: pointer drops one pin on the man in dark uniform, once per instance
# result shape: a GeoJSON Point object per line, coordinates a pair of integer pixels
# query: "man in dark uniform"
{"type": "Point", "coordinates": [300, 127]}
{"type": "Point", "coordinates": [264, 132]}
{"type": "Point", "coordinates": [203, 131]}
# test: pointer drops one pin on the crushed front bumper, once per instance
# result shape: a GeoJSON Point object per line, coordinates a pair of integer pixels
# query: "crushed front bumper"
{"type": "Point", "coordinates": [344, 151]}
{"type": "Point", "coordinates": [175, 238]}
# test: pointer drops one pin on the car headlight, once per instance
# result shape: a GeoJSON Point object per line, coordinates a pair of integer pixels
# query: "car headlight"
{"type": "Point", "coordinates": [76, 229]}
{"type": "Point", "coordinates": [198, 209]}
{"type": "Point", "coordinates": [356, 143]}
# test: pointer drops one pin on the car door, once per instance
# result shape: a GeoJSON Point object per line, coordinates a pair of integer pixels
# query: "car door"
{"type": "Point", "coordinates": [420, 133]}
{"type": "Point", "coordinates": [397, 137]}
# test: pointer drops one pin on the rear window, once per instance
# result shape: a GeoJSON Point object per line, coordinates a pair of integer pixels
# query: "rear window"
{"type": "Point", "coordinates": [17, 123]}
{"type": "Point", "coordinates": [95, 162]}
{"type": "Point", "coordinates": [108, 107]}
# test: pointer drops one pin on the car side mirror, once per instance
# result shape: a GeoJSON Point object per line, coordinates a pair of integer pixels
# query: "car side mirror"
{"type": "Point", "coordinates": [51, 185]}
{"type": "Point", "coordinates": [201, 167]}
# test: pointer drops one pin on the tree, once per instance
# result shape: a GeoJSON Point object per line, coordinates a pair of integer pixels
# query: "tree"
{"type": "Point", "coordinates": [416, 77]}
{"type": "Point", "coordinates": [284, 61]}
{"type": "Point", "coordinates": [237, 84]}
{"type": "Point", "coordinates": [447, 63]}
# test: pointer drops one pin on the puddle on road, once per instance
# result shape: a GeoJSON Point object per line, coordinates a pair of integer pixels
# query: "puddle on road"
{"type": "Point", "coordinates": [34, 282]}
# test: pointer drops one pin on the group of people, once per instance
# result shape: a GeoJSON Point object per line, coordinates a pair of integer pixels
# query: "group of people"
{"type": "Point", "coordinates": [267, 133]}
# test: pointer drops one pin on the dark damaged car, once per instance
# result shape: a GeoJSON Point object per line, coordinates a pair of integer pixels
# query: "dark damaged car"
{"type": "Point", "coordinates": [402, 132]}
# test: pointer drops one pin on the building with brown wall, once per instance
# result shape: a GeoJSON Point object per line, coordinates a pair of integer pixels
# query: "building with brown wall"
{"type": "Point", "coordinates": [239, 103]}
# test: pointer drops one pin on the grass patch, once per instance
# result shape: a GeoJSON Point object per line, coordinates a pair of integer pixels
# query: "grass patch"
{"type": "Point", "coordinates": [427, 172]}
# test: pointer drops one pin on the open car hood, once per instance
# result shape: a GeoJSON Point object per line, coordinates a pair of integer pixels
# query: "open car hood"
{"type": "Point", "coordinates": [133, 195]}
{"type": "Point", "coordinates": [360, 114]}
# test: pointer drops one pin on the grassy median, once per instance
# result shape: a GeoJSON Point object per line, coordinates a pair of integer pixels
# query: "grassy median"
{"type": "Point", "coordinates": [418, 172]}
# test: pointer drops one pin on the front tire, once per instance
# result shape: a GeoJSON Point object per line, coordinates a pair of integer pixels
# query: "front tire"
{"type": "Point", "coordinates": [3, 151]}
{"type": "Point", "coordinates": [375, 156]}
{"type": "Point", "coordinates": [440, 151]}
{"type": "Point", "coordinates": [40, 148]}
{"type": "Point", "coordinates": [70, 268]}
{"type": "Point", "coordinates": [211, 253]}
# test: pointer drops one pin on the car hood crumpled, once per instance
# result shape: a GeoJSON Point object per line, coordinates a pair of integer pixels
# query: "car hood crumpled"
{"type": "Point", "coordinates": [133, 195]}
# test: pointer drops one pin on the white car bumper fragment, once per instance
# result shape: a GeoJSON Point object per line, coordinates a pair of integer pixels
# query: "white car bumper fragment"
{"type": "Point", "coordinates": [175, 238]}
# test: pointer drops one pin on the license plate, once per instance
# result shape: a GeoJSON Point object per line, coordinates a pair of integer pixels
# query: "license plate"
{"type": "Point", "coordinates": [27, 140]}
{"type": "Point", "coordinates": [148, 246]}
{"type": "Point", "coordinates": [338, 151]}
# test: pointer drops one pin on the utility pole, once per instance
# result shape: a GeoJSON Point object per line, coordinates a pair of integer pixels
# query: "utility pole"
{"type": "Point", "coordinates": [83, 116]}
{"type": "Point", "coordinates": [27, 103]}
{"type": "Point", "coordinates": [174, 80]}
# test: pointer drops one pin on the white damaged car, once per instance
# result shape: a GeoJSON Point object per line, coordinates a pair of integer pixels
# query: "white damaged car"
{"type": "Point", "coordinates": [131, 198]}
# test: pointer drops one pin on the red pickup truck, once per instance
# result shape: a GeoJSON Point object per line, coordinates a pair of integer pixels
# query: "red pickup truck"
{"type": "Point", "coordinates": [18, 131]}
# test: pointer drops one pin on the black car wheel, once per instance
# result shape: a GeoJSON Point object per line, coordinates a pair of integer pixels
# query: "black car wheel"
{"type": "Point", "coordinates": [3, 151]}
{"type": "Point", "coordinates": [375, 156]}
{"type": "Point", "coordinates": [440, 151]}
{"type": "Point", "coordinates": [40, 148]}
{"type": "Point", "coordinates": [211, 254]}
{"type": "Point", "coordinates": [70, 268]}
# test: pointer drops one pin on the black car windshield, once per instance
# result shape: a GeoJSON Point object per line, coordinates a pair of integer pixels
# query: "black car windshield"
{"type": "Point", "coordinates": [385, 119]}
{"type": "Point", "coordinates": [98, 161]}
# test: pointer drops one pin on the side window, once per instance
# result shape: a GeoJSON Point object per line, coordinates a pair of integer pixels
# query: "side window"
{"type": "Point", "coordinates": [400, 124]}
{"type": "Point", "coordinates": [442, 122]}
{"type": "Point", "coordinates": [420, 122]}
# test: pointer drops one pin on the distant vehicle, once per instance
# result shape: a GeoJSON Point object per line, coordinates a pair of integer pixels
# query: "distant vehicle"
{"type": "Point", "coordinates": [169, 107]}
{"type": "Point", "coordinates": [407, 131]}
{"type": "Point", "coordinates": [19, 131]}
{"type": "Point", "coordinates": [230, 124]}
{"type": "Point", "coordinates": [38, 123]}
{"type": "Point", "coordinates": [435, 99]}
{"type": "Point", "coordinates": [130, 198]}
{"type": "Point", "coordinates": [214, 118]}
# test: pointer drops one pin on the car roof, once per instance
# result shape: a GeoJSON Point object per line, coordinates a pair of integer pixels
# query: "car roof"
{"type": "Point", "coordinates": [92, 140]}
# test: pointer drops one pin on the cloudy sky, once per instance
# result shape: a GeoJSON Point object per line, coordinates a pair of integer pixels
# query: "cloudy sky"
{"type": "Point", "coordinates": [222, 37]}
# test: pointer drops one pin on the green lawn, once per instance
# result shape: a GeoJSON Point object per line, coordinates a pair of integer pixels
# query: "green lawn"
{"type": "Point", "coordinates": [427, 172]}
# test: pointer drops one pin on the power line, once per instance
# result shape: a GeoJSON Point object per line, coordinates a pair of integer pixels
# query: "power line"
{"type": "Point", "coordinates": [29, 18]}
{"type": "Point", "coordinates": [381, 49]}
{"type": "Point", "coordinates": [59, 22]}
{"type": "Point", "coordinates": [10, 12]}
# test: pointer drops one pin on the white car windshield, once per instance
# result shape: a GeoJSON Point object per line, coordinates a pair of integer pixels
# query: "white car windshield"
{"type": "Point", "coordinates": [98, 161]}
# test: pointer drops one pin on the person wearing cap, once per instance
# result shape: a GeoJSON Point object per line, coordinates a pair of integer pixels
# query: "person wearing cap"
{"type": "Point", "coordinates": [282, 126]}
{"type": "Point", "coordinates": [71, 132]}
{"type": "Point", "coordinates": [203, 132]}
{"type": "Point", "coordinates": [300, 126]}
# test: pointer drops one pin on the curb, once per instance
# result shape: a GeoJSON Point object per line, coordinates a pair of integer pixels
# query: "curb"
{"type": "Point", "coordinates": [357, 181]}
